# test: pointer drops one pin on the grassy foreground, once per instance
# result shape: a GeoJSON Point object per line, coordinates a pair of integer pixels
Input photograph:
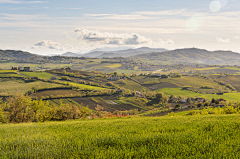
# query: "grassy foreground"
{"type": "Point", "coordinates": [162, 137]}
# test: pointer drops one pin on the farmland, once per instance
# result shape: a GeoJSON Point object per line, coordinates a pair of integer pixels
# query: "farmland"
{"type": "Point", "coordinates": [212, 136]}
{"type": "Point", "coordinates": [114, 66]}
{"type": "Point", "coordinates": [14, 87]}
{"type": "Point", "coordinates": [59, 92]}
{"type": "Point", "coordinates": [42, 75]}
{"type": "Point", "coordinates": [192, 81]}
{"type": "Point", "coordinates": [232, 80]}
{"type": "Point", "coordinates": [178, 92]}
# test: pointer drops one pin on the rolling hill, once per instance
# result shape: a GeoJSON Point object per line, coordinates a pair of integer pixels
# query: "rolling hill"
{"type": "Point", "coordinates": [123, 53]}
{"type": "Point", "coordinates": [193, 55]}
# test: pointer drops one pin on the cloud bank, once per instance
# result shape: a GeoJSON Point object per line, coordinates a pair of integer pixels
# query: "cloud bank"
{"type": "Point", "coordinates": [48, 44]}
{"type": "Point", "coordinates": [117, 39]}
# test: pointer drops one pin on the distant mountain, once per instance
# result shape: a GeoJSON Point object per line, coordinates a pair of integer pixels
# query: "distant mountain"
{"type": "Point", "coordinates": [123, 53]}
{"type": "Point", "coordinates": [15, 54]}
{"type": "Point", "coordinates": [70, 54]}
{"type": "Point", "coordinates": [192, 55]}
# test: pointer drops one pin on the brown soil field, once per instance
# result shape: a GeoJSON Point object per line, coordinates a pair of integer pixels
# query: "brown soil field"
{"type": "Point", "coordinates": [161, 85]}
{"type": "Point", "coordinates": [92, 104]}
{"type": "Point", "coordinates": [53, 93]}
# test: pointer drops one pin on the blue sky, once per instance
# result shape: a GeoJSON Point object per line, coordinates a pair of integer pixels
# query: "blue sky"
{"type": "Point", "coordinates": [57, 26]}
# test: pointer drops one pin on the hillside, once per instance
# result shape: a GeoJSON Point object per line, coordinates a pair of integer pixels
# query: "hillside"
{"type": "Point", "coordinates": [123, 53]}
{"type": "Point", "coordinates": [15, 55]}
{"type": "Point", "coordinates": [192, 55]}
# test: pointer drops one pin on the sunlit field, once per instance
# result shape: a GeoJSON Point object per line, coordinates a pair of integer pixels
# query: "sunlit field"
{"type": "Point", "coordinates": [163, 137]}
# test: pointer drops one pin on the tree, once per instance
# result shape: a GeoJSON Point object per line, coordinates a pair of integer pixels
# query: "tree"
{"type": "Point", "coordinates": [213, 100]}
{"type": "Point", "coordinates": [115, 74]}
{"type": "Point", "coordinates": [162, 98]}
{"type": "Point", "coordinates": [177, 106]}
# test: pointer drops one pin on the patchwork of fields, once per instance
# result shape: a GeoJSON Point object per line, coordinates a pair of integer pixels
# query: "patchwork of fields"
{"type": "Point", "coordinates": [14, 87]}
{"type": "Point", "coordinates": [212, 136]}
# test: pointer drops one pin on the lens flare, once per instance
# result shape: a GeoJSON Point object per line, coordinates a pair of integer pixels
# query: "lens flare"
{"type": "Point", "coordinates": [196, 21]}
{"type": "Point", "coordinates": [215, 6]}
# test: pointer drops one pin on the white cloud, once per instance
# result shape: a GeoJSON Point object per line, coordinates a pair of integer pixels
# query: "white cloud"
{"type": "Point", "coordinates": [110, 38]}
{"type": "Point", "coordinates": [48, 44]}
{"type": "Point", "coordinates": [21, 2]}
{"type": "Point", "coordinates": [100, 39]}
{"type": "Point", "coordinates": [221, 40]}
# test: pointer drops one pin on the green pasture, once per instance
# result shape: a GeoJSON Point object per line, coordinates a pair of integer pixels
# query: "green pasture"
{"type": "Point", "coordinates": [210, 136]}
{"type": "Point", "coordinates": [83, 86]}
{"type": "Point", "coordinates": [178, 92]}
{"type": "Point", "coordinates": [226, 96]}
{"type": "Point", "coordinates": [41, 75]}
{"type": "Point", "coordinates": [192, 81]}
{"type": "Point", "coordinates": [13, 87]}
{"type": "Point", "coordinates": [126, 71]}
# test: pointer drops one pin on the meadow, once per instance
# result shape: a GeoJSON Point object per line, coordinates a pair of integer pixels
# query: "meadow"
{"type": "Point", "coordinates": [41, 75]}
{"type": "Point", "coordinates": [114, 66]}
{"type": "Point", "coordinates": [13, 87]}
{"type": "Point", "coordinates": [178, 92]}
{"type": "Point", "coordinates": [210, 136]}
{"type": "Point", "coordinates": [83, 86]}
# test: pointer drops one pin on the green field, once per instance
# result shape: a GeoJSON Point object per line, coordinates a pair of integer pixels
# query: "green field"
{"type": "Point", "coordinates": [126, 71]}
{"type": "Point", "coordinates": [193, 81]}
{"type": "Point", "coordinates": [41, 75]}
{"type": "Point", "coordinates": [178, 92]}
{"type": "Point", "coordinates": [210, 136]}
{"type": "Point", "coordinates": [83, 86]}
{"type": "Point", "coordinates": [227, 96]}
{"type": "Point", "coordinates": [13, 87]}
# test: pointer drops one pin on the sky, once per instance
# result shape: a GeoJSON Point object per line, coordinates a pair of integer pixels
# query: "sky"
{"type": "Point", "coordinates": [79, 26]}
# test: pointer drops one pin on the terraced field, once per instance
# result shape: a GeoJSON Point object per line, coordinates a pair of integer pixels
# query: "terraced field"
{"type": "Point", "coordinates": [60, 92]}
{"type": "Point", "coordinates": [41, 75]}
{"type": "Point", "coordinates": [13, 87]}
{"type": "Point", "coordinates": [161, 85]}
{"type": "Point", "coordinates": [178, 92]}
{"type": "Point", "coordinates": [233, 80]}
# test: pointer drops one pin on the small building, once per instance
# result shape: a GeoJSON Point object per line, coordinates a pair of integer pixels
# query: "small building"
{"type": "Point", "coordinates": [114, 78]}
{"type": "Point", "coordinates": [219, 105]}
{"type": "Point", "coordinates": [156, 75]}
{"type": "Point", "coordinates": [54, 78]}
{"type": "Point", "coordinates": [27, 69]}
{"type": "Point", "coordinates": [221, 100]}
{"type": "Point", "coordinates": [201, 100]}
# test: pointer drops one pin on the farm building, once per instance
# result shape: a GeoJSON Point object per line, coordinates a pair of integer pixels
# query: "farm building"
{"type": "Point", "coordinates": [156, 75]}
{"type": "Point", "coordinates": [27, 69]}
{"type": "Point", "coordinates": [219, 105]}
{"type": "Point", "coordinates": [114, 78]}
{"type": "Point", "coordinates": [202, 100]}
{"type": "Point", "coordinates": [221, 100]}
{"type": "Point", "coordinates": [53, 78]}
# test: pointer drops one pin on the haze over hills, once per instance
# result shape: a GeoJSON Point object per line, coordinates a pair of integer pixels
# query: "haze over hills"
{"type": "Point", "coordinates": [149, 55]}
{"type": "Point", "coordinates": [193, 55]}
{"type": "Point", "coordinates": [123, 53]}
